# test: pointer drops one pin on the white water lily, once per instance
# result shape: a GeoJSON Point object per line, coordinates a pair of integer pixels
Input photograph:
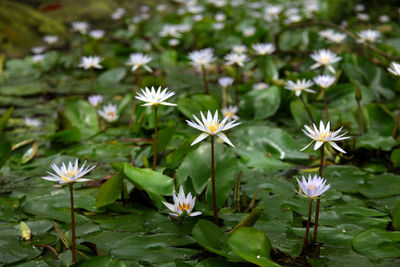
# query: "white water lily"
{"type": "Point", "coordinates": [37, 49]}
{"type": "Point", "coordinates": [239, 49]}
{"type": "Point", "coordinates": [394, 68]}
{"type": "Point", "coordinates": [155, 98]}
{"type": "Point", "coordinates": [95, 100]}
{"type": "Point", "coordinates": [225, 81]}
{"type": "Point", "coordinates": [313, 187]}
{"type": "Point", "coordinates": [299, 86]}
{"type": "Point", "coordinates": [96, 34]}
{"type": "Point", "coordinates": [80, 26]}
{"type": "Point", "coordinates": [70, 174]}
{"type": "Point", "coordinates": [50, 39]}
{"type": "Point", "coordinates": [212, 126]}
{"type": "Point", "coordinates": [109, 113]}
{"type": "Point", "coordinates": [91, 62]}
{"type": "Point", "coordinates": [263, 49]}
{"type": "Point", "coordinates": [249, 31]}
{"type": "Point", "coordinates": [30, 122]}
{"type": "Point", "coordinates": [260, 86]}
{"type": "Point", "coordinates": [230, 111]}
{"type": "Point", "coordinates": [201, 58]}
{"type": "Point", "coordinates": [324, 135]}
{"type": "Point", "coordinates": [326, 34]}
{"type": "Point", "coordinates": [324, 81]}
{"type": "Point", "coordinates": [337, 37]}
{"type": "Point", "coordinates": [182, 204]}
{"type": "Point", "coordinates": [138, 60]}
{"type": "Point", "coordinates": [118, 13]}
{"type": "Point", "coordinates": [38, 58]}
{"type": "Point", "coordinates": [326, 58]}
{"type": "Point", "coordinates": [368, 36]}
{"type": "Point", "coordinates": [235, 58]}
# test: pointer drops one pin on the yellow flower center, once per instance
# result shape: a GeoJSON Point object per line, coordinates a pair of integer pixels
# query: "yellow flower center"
{"type": "Point", "coordinates": [323, 136]}
{"type": "Point", "coordinates": [69, 173]}
{"type": "Point", "coordinates": [111, 115]}
{"type": "Point", "coordinates": [324, 60]}
{"type": "Point", "coordinates": [311, 187]}
{"type": "Point", "coordinates": [213, 128]}
{"type": "Point", "coordinates": [228, 114]}
{"type": "Point", "coordinates": [183, 206]}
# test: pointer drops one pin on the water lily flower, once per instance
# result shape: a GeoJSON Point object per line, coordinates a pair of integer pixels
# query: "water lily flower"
{"type": "Point", "coordinates": [173, 42]}
{"type": "Point", "coordinates": [260, 86]}
{"type": "Point", "coordinates": [337, 37]}
{"type": "Point", "coordinates": [230, 112]}
{"type": "Point", "coordinates": [234, 58]}
{"type": "Point", "coordinates": [239, 49]}
{"type": "Point", "coordinates": [324, 58]}
{"type": "Point", "coordinates": [326, 34]}
{"type": "Point", "coordinates": [38, 58]}
{"type": "Point", "coordinates": [263, 49]}
{"type": "Point", "coordinates": [313, 187]}
{"type": "Point", "coordinates": [201, 58]}
{"type": "Point", "coordinates": [218, 26]}
{"type": "Point", "coordinates": [96, 34]}
{"type": "Point", "coordinates": [138, 60]}
{"type": "Point", "coordinates": [324, 135]}
{"type": "Point", "coordinates": [394, 68]}
{"type": "Point", "coordinates": [91, 62]}
{"type": "Point", "coordinates": [324, 81]}
{"type": "Point", "coordinates": [95, 100]}
{"type": "Point", "coordinates": [37, 50]}
{"type": "Point", "coordinates": [249, 31]}
{"type": "Point", "coordinates": [30, 122]}
{"type": "Point", "coordinates": [212, 126]}
{"type": "Point", "coordinates": [225, 82]}
{"type": "Point", "coordinates": [299, 86]}
{"type": "Point", "coordinates": [368, 36]}
{"type": "Point", "coordinates": [155, 98]}
{"type": "Point", "coordinates": [363, 16]}
{"type": "Point", "coordinates": [71, 174]}
{"type": "Point", "coordinates": [118, 13]}
{"type": "Point", "coordinates": [181, 204]}
{"type": "Point", "coordinates": [109, 113]}
{"type": "Point", "coordinates": [50, 39]}
{"type": "Point", "coordinates": [80, 26]}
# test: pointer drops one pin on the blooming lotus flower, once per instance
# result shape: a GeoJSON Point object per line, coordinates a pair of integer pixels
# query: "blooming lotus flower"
{"type": "Point", "coordinates": [230, 112]}
{"type": "Point", "coordinates": [181, 204]}
{"type": "Point", "coordinates": [326, 34]}
{"type": "Point", "coordinates": [201, 58]}
{"type": "Point", "coordinates": [212, 126]}
{"type": "Point", "coordinates": [324, 81]}
{"type": "Point", "coordinates": [92, 62]}
{"type": "Point", "coordinates": [50, 39]}
{"type": "Point", "coordinates": [234, 58]}
{"type": "Point", "coordinates": [30, 122]}
{"type": "Point", "coordinates": [368, 36]}
{"type": "Point", "coordinates": [138, 60]}
{"type": "Point", "coordinates": [239, 49]}
{"type": "Point", "coordinates": [80, 26]}
{"type": "Point", "coordinates": [96, 34]}
{"type": "Point", "coordinates": [313, 187]}
{"type": "Point", "coordinates": [324, 135]}
{"type": "Point", "coordinates": [260, 86]}
{"type": "Point", "coordinates": [155, 98]}
{"type": "Point", "coordinates": [225, 82]}
{"type": "Point", "coordinates": [394, 68]}
{"type": "Point", "coordinates": [70, 174]}
{"type": "Point", "coordinates": [263, 49]}
{"type": "Point", "coordinates": [95, 100]}
{"type": "Point", "coordinates": [299, 86]}
{"type": "Point", "coordinates": [249, 31]}
{"type": "Point", "coordinates": [109, 113]}
{"type": "Point", "coordinates": [324, 58]}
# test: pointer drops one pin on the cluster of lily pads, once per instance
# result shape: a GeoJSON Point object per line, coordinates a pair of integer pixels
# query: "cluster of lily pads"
{"type": "Point", "coordinates": [255, 71]}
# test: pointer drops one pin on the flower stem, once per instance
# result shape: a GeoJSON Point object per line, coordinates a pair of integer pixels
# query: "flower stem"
{"type": "Point", "coordinates": [138, 80]}
{"type": "Point", "coordinates": [224, 97]}
{"type": "Point", "coordinates": [71, 194]}
{"type": "Point", "coordinates": [91, 81]}
{"type": "Point", "coordinates": [214, 196]}
{"type": "Point", "coordinates": [237, 86]}
{"type": "Point", "coordinates": [155, 139]}
{"type": "Point", "coordinates": [307, 109]}
{"type": "Point", "coordinates": [396, 125]}
{"type": "Point", "coordinates": [264, 59]}
{"type": "Point", "coordinates": [326, 106]}
{"type": "Point", "coordinates": [203, 71]}
{"type": "Point", "coordinates": [321, 166]}
{"type": "Point", "coordinates": [308, 224]}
